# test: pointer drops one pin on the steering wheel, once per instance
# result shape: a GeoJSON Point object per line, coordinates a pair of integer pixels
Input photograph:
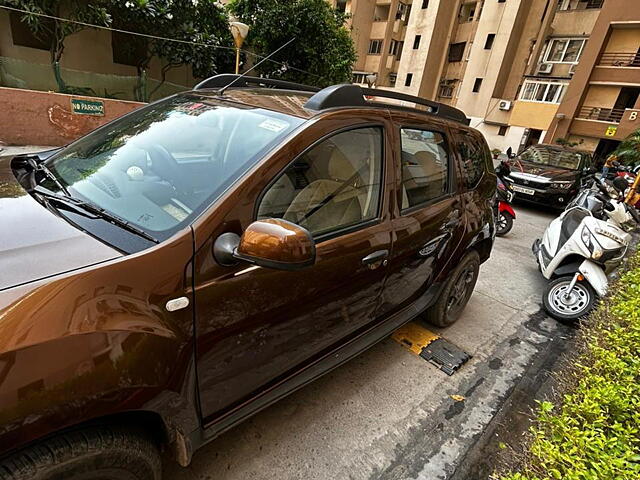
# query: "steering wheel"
{"type": "Point", "coordinates": [166, 167]}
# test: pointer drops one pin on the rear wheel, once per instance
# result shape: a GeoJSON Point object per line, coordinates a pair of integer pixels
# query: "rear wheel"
{"type": "Point", "coordinates": [504, 224]}
{"type": "Point", "coordinates": [569, 306]}
{"type": "Point", "coordinates": [456, 292]}
{"type": "Point", "coordinates": [96, 453]}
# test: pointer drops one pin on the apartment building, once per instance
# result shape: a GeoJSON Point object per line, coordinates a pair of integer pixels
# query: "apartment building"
{"type": "Point", "coordinates": [602, 103]}
{"type": "Point", "coordinates": [506, 63]}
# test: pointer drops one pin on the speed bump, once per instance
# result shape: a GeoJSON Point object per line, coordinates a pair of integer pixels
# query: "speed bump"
{"type": "Point", "coordinates": [431, 347]}
{"type": "Point", "coordinates": [414, 337]}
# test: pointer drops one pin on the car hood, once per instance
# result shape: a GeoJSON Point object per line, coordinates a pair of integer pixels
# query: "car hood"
{"type": "Point", "coordinates": [542, 172]}
{"type": "Point", "coordinates": [34, 242]}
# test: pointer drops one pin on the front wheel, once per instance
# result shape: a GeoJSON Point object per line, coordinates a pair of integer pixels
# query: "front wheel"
{"type": "Point", "coordinates": [569, 306]}
{"type": "Point", "coordinates": [504, 224]}
{"type": "Point", "coordinates": [456, 292]}
{"type": "Point", "coordinates": [92, 453]}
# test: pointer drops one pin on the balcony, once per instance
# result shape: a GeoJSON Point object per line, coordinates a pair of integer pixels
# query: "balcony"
{"type": "Point", "coordinates": [598, 122]}
{"type": "Point", "coordinates": [620, 59]}
{"type": "Point", "coordinates": [601, 114]}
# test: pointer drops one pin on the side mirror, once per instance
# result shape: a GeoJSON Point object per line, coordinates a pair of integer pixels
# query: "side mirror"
{"type": "Point", "coordinates": [270, 243]}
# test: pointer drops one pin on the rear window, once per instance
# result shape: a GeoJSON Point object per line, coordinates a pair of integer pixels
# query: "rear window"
{"type": "Point", "coordinates": [475, 157]}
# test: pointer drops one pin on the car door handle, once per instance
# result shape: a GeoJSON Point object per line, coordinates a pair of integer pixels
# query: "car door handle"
{"type": "Point", "coordinates": [375, 257]}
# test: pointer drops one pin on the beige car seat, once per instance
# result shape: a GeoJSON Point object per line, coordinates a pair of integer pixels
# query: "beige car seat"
{"type": "Point", "coordinates": [277, 199]}
{"type": "Point", "coordinates": [342, 209]}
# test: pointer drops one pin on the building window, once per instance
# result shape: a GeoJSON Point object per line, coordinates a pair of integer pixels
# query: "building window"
{"type": "Point", "coordinates": [23, 36]}
{"type": "Point", "coordinates": [403, 12]}
{"type": "Point", "coordinates": [489, 43]}
{"type": "Point", "coordinates": [407, 82]}
{"type": "Point", "coordinates": [564, 50]}
{"type": "Point", "coordinates": [446, 89]}
{"type": "Point", "coordinates": [502, 129]}
{"type": "Point", "coordinates": [381, 13]}
{"type": "Point", "coordinates": [467, 12]}
{"type": "Point", "coordinates": [502, 1]}
{"type": "Point", "coordinates": [425, 4]}
{"type": "Point", "coordinates": [375, 47]}
{"type": "Point", "coordinates": [399, 54]}
{"type": "Point", "coordinates": [544, 92]}
{"type": "Point", "coordinates": [359, 78]}
{"type": "Point", "coordinates": [456, 51]}
{"type": "Point", "coordinates": [579, 4]}
{"type": "Point", "coordinates": [392, 79]}
{"type": "Point", "coordinates": [416, 42]}
{"type": "Point", "coordinates": [476, 85]}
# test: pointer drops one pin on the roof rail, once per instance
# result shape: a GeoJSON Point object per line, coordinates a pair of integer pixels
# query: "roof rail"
{"type": "Point", "coordinates": [348, 95]}
{"type": "Point", "coordinates": [220, 81]}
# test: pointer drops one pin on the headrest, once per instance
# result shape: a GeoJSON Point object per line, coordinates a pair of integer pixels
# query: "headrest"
{"type": "Point", "coordinates": [340, 168]}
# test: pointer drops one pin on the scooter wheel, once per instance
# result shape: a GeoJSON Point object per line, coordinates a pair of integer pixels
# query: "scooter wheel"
{"type": "Point", "coordinates": [504, 224]}
{"type": "Point", "coordinates": [568, 308]}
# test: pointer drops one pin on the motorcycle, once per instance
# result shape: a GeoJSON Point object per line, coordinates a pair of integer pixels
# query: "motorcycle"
{"type": "Point", "coordinates": [505, 214]}
{"type": "Point", "coordinates": [577, 251]}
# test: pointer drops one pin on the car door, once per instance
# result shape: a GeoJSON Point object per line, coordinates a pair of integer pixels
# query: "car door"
{"type": "Point", "coordinates": [256, 326]}
{"type": "Point", "coordinates": [428, 218]}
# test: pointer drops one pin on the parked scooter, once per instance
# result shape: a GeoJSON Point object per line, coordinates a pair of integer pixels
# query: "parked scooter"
{"type": "Point", "coordinates": [577, 251]}
{"type": "Point", "coordinates": [506, 214]}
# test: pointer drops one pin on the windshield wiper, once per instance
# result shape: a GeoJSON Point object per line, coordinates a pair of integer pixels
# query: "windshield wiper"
{"type": "Point", "coordinates": [41, 167]}
{"type": "Point", "coordinates": [90, 210]}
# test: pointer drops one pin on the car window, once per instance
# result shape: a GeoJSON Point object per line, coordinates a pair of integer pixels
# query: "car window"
{"type": "Point", "coordinates": [473, 155]}
{"type": "Point", "coordinates": [425, 166]}
{"type": "Point", "coordinates": [162, 165]}
{"type": "Point", "coordinates": [335, 184]}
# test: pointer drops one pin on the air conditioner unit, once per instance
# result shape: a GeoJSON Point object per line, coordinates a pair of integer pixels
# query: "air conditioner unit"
{"type": "Point", "coordinates": [545, 68]}
{"type": "Point", "coordinates": [572, 69]}
{"type": "Point", "coordinates": [504, 105]}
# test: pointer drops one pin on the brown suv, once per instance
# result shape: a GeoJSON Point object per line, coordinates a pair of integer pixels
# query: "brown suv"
{"type": "Point", "coordinates": [181, 268]}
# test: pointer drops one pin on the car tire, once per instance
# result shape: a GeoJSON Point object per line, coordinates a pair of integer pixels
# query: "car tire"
{"type": "Point", "coordinates": [104, 453]}
{"type": "Point", "coordinates": [504, 224]}
{"type": "Point", "coordinates": [568, 311]}
{"type": "Point", "coordinates": [456, 292]}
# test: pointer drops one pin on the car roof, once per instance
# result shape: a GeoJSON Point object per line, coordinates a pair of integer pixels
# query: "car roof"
{"type": "Point", "coordinates": [307, 101]}
{"type": "Point", "coordinates": [289, 102]}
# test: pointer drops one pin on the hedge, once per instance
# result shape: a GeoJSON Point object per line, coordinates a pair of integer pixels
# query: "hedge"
{"type": "Point", "coordinates": [593, 433]}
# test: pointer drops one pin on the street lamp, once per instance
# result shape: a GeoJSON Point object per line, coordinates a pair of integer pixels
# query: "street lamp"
{"type": "Point", "coordinates": [239, 31]}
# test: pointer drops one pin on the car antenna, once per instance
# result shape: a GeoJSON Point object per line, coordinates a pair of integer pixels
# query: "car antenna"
{"type": "Point", "coordinates": [221, 91]}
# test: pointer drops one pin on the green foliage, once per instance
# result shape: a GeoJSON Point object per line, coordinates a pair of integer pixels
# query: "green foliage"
{"type": "Point", "coordinates": [628, 152]}
{"type": "Point", "coordinates": [54, 32]}
{"type": "Point", "coordinates": [204, 22]}
{"type": "Point", "coordinates": [323, 45]}
{"type": "Point", "coordinates": [594, 434]}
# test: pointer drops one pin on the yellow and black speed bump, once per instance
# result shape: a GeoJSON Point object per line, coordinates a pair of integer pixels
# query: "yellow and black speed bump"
{"type": "Point", "coordinates": [430, 346]}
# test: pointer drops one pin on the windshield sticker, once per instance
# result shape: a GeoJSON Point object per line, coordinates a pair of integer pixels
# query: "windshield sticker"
{"type": "Point", "coordinates": [273, 125]}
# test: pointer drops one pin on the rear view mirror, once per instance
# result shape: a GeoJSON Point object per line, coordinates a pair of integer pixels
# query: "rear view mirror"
{"type": "Point", "coordinates": [270, 243]}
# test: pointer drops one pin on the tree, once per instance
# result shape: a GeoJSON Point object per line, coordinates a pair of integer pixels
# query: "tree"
{"type": "Point", "coordinates": [55, 32]}
{"type": "Point", "coordinates": [204, 22]}
{"type": "Point", "coordinates": [628, 152]}
{"type": "Point", "coordinates": [323, 46]}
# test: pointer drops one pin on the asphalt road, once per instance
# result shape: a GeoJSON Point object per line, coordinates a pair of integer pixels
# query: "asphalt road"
{"type": "Point", "coordinates": [389, 414]}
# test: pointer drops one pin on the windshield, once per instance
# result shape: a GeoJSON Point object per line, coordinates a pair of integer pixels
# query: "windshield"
{"type": "Point", "coordinates": [552, 157]}
{"type": "Point", "coordinates": [161, 166]}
